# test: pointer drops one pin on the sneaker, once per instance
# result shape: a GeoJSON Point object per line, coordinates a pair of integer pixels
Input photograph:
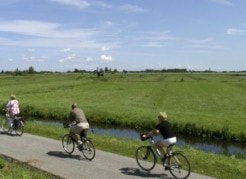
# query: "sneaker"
{"type": "Point", "coordinates": [10, 130]}
{"type": "Point", "coordinates": [79, 142]}
{"type": "Point", "coordinates": [79, 145]}
{"type": "Point", "coordinates": [167, 167]}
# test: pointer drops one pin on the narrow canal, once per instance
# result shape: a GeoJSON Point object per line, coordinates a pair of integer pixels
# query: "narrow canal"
{"type": "Point", "coordinates": [214, 146]}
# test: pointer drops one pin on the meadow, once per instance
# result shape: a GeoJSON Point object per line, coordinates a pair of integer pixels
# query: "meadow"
{"type": "Point", "coordinates": [203, 104]}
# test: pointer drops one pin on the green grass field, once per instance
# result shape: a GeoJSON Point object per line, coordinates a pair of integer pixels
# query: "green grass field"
{"type": "Point", "coordinates": [195, 103]}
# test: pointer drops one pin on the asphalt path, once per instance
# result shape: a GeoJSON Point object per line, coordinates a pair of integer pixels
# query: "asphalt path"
{"type": "Point", "coordinates": [48, 155]}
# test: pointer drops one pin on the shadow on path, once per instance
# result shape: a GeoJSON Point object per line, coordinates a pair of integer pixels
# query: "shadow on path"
{"type": "Point", "coordinates": [64, 155]}
{"type": "Point", "coordinates": [12, 133]}
{"type": "Point", "coordinates": [143, 174]}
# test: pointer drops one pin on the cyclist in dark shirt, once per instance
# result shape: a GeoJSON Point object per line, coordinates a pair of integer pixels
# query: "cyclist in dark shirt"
{"type": "Point", "coordinates": [166, 131]}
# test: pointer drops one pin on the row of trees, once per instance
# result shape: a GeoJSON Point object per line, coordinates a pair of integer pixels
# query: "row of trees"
{"type": "Point", "coordinates": [101, 71]}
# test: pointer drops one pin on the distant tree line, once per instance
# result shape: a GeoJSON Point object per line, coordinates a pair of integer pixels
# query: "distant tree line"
{"type": "Point", "coordinates": [101, 71]}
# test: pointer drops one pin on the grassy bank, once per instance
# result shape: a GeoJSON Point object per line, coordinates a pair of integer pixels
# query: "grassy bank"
{"type": "Point", "coordinates": [10, 168]}
{"type": "Point", "coordinates": [216, 165]}
{"type": "Point", "coordinates": [208, 105]}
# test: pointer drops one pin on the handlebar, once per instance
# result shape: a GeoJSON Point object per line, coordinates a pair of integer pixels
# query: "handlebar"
{"type": "Point", "coordinates": [145, 138]}
{"type": "Point", "coordinates": [138, 129]}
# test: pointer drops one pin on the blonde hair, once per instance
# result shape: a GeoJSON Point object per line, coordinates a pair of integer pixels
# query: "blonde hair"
{"type": "Point", "coordinates": [12, 96]}
{"type": "Point", "coordinates": [163, 115]}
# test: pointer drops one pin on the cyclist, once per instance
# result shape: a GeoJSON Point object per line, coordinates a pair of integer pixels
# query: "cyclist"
{"type": "Point", "coordinates": [12, 109]}
{"type": "Point", "coordinates": [78, 122]}
{"type": "Point", "coordinates": [166, 131]}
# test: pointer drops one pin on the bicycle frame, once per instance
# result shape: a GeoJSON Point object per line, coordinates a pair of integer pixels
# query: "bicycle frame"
{"type": "Point", "coordinates": [154, 148]}
{"type": "Point", "coordinates": [174, 161]}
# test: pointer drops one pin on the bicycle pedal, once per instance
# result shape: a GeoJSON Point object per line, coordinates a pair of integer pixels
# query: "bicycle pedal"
{"type": "Point", "coordinates": [80, 147]}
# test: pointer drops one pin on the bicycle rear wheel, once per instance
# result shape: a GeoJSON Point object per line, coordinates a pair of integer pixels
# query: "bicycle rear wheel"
{"type": "Point", "coordinates": [179, 166]}
{"type": "Point", "coordinates": [145, 158]}
{"type": "Point", "coordinates": [19, 128]}
{"type": "Point", "coordinates": [88, 149]}
{"type": "Point", "coordinates": [68, 143]}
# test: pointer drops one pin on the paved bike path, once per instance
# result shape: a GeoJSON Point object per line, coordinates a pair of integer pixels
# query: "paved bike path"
{"type": "Point", "coordinates": [48, 155]}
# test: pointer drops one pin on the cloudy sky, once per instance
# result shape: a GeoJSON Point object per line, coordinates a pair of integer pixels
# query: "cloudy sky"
{"type": "Point", "coordinates": [61, 35]}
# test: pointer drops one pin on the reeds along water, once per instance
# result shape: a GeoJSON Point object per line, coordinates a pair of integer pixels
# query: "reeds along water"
{"type": "Point", "coordinates": [191, 129]}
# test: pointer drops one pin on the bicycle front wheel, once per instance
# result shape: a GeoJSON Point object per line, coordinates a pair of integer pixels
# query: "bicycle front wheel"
{"type": "Point", "coordinates": [4, 125]}
{"type": "Point", "coordinates": [88, 149]}
{"type": "Point", "coordinates": [19, 128]}
{"type": "Point", "coordinates": [145, 158]}
{"type": "Point", "coordinates": [179, 166]}
{"type": "Point", "coordinates": [68, 143]}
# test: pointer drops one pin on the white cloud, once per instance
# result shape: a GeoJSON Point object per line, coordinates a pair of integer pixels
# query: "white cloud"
{"type": "Point", "coordinates": [234, 31]}
{"type": "Point", "coordinates": [42, 29]}
{"type": "Point", "coordinates": [66, 50]}
{"type": "Point", "coordinates": [89, 59]}
{"type": "Point", "coordinates": [46, 34]}
{"type": "Point", "coordinates": [31, 50]}
{"type": "Point", "coordinates": [105, 48]}
{"type": "Point", "coordinates": [70, 57]}
{"type": "Point", "coordinates": [132, 9]}
{"type": "Point", "coordinates": [33, 58]}
{"type": "Point", "coordinates": [222, 2]}
{"type": "Point", "coordinates": [107, 58]}
{"type": "Point", "coordinates": [101, 4]}
{"type": "Point", "coordinates": [153, 44]}
{"type": "Point", "coordinates": [76, 3]}
{"type": "Point", "coordinates": [109, 23]}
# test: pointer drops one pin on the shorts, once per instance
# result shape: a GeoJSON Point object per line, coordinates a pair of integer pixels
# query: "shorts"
{"type": "Point", "coordinates": [79, 127]}
{"type": "Point", "coordinates": [167, 142]}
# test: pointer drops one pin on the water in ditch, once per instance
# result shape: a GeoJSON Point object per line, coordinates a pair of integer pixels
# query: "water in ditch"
{"type": "Point", "coordinates": [214, 146]}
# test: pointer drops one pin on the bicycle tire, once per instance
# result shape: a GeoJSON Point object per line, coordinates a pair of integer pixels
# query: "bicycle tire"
{"type": "Point", "coordinates": [68, 144]}
{"type": "Point", "coordinates": [145, 158]}
{"type": "Point", "coordinates": [19, 128]}
{"type": "Point", "coordinates": [179, 166]}
{"type": "Point", "coordinates": [4, 125]}
{"type": "Point", "coordinates": [88, 149]}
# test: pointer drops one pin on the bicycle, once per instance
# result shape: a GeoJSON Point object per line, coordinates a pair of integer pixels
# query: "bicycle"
{"type": "Point", "coordinates": [174, 161]}
{"type": "Point", "coordinates": [87, 147]}
{"type": "Point", "coordinates": [18, 125]}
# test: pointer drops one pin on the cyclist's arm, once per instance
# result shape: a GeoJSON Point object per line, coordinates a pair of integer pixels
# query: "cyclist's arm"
{"type": "Point", "coordinates": [152, 132]}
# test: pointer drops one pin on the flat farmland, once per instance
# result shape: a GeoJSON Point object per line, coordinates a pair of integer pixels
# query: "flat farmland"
{"type": "Point", "coordinates": [210, 102]}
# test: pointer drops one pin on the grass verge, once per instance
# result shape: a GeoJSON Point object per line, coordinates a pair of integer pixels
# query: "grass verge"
{"type": "Point", "coordinates": [11, 168]}
{"type": "Point", "coordinates": [215, 165]}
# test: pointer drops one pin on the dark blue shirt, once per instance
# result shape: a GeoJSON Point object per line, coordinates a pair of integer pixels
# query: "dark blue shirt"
{"type": "Point", "coordinates": [165, 129]}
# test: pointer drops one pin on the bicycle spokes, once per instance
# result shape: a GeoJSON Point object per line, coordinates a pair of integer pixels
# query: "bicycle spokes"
{"type": "Point", "coordinates": [179, 166]}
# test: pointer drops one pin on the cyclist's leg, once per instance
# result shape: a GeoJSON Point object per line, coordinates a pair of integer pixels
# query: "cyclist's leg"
{"type": "Point", "coordinates": [84, 126]}
{"type": "Point", "coordinates": [11, 122]}
{"type": "Point", "coordinates": [164, 143]}
{"type": "Point", "coordinates": [74, 132]}
{"type": "Point", "coordinates": [83, 133]}
{"type": "Point", "coordinates": [160, 145]}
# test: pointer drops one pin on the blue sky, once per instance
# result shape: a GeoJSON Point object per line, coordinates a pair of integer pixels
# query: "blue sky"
{"type": "Point", "coordinates": [61, 35]}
